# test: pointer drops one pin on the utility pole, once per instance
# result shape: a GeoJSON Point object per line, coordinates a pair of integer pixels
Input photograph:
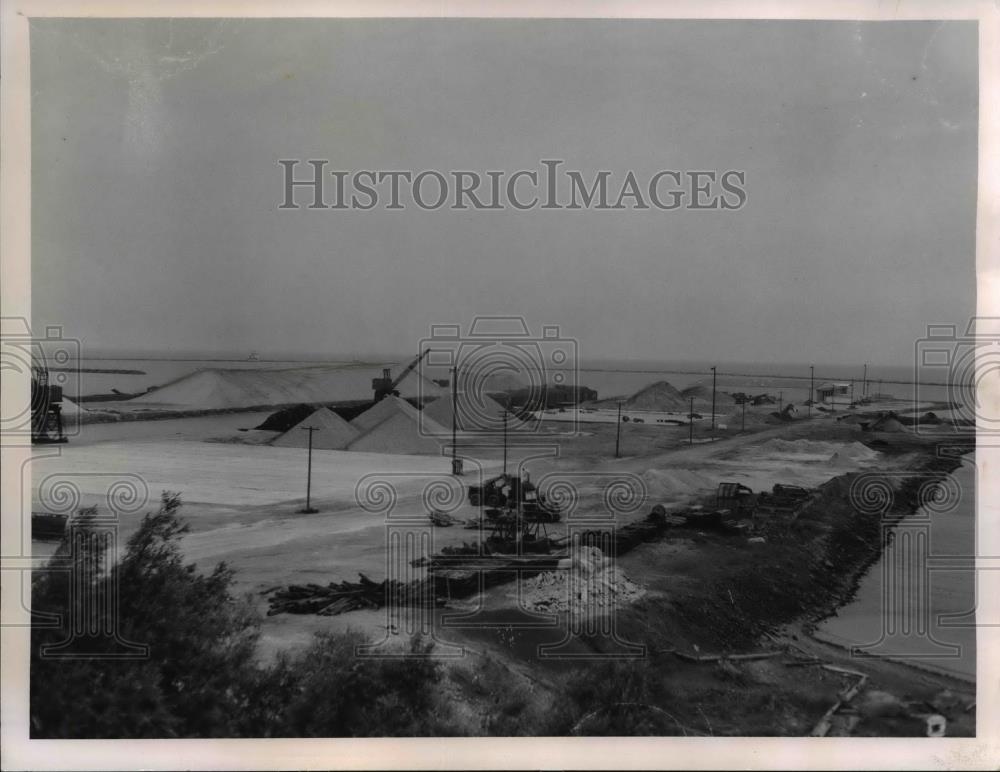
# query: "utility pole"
{"type": "Point", "coordinates": [691, 423]}
{"type": "Point", "coordinates": [713, 403]}
{"type": "Point", "coordinates": [505, 444]}
{"type": "Point", "coordinates": [852, 391]}
{"type": "Point", "coordinates": [618, 435]}
{"type": "Point", "coordinates": [779, 401]}
{"type": "Point", "coordinates": [864, 382]}
{"type": "Point", "coordinates": [309, 510]}
{"type": "Point", "coordinates": [743, 427]}
{"type": "Point", "coordinates": [812, 391]}
{"type": "Point", "coordinates": [455, 468]}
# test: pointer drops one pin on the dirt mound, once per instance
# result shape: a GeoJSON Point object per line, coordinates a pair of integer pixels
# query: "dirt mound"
{"type": "Point", "coordinates": [842, 456]}
{"type": "Point", "coordinates": [854, 456]}
{"type": "Point", "coordinates": [888, 424]}
{"type": "Point", "coordinates": [674, 483]}
{"type": "Point", "coordinates": [216, 388]}
{"type": "Point", "coordinates": [861, 452]}
{"type": "Point", "coordinates": [817, 449]}
{"type": "Point", "coordinates": [332, 432]}
{"type": "Point", "coordinates": [786, 414]}
{"type": "Point", "coordinates": [659, 396]}
{"type": "Point", "coordinates": [586, 584]}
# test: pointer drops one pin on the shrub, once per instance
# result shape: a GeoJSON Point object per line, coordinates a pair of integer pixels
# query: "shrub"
{"type": "Point", "coordinates": [200, 678]}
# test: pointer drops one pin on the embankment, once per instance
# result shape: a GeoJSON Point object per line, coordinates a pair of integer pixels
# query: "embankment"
{"type": "Point", "coordinates": [805, 569]}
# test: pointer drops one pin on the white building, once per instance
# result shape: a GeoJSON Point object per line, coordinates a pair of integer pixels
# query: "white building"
{"type": "Point", "coordinates": [834, 394]}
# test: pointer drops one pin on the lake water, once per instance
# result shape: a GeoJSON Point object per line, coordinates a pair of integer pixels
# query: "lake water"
{"type": "Point", "coordinates": [608, 377]}
{"type": "Point", "coordinates": [918, 602]}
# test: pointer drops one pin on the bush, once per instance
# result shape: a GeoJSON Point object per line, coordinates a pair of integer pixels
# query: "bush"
{"type": "Point", "coordinates": [329, 692]}
{"type": "Point", "coordinates": [200, 678]}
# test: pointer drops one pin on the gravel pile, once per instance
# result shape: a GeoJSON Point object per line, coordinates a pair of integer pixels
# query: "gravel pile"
{"type": "Point", "coordinates": [586, 583]}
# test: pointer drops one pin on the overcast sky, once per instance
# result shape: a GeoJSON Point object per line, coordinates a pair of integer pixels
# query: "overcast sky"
{"type": "Point", "coordinates": [156, 184]}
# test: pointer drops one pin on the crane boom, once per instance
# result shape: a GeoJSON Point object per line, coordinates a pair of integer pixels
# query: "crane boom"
{"type": "Point", "coordinates": [409, 368]}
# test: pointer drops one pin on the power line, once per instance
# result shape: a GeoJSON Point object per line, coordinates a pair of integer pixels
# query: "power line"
{"type": "Point", "coordinates": [759, 375]}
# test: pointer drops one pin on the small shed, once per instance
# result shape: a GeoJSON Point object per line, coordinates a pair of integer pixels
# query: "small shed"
{"type": "Point", "coordinates": [834, 393]}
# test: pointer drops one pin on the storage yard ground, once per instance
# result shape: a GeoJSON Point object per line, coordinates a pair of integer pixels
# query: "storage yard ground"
{"type": "Point", "coordinates": [242, 500]}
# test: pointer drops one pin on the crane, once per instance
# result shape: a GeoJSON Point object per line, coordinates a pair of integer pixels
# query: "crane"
{"type": "Point", "coordinates": [386, 385]}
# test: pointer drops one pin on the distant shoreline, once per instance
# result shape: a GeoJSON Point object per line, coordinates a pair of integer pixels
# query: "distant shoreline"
{"type": "Point", "coordinates": [637, 369]}
{"type": "Point", "coordinates": [95, 370]}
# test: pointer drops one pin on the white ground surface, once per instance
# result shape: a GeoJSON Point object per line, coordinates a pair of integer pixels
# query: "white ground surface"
{"type": "Point", "coordinates": [229, 474]}
{"type": "Point", "coordinates": [242, 501]}
{"type": "Point", "coordinates": [196, 428]}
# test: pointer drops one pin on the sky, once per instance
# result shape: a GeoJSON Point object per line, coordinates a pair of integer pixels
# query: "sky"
{"type": "Point", "coordinates": [156, 184]}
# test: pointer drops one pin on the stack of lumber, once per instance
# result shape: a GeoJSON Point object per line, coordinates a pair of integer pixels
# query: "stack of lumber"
{"type": "Point", "coordinates": [337, 598]}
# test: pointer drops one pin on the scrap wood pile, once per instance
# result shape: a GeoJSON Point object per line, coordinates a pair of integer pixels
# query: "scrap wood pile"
{"type": "Point", "coordinates": [783, 500]}
{"type": "Point", "coordinates": [445, 520]}
{"type": "Point", "coordinates": [492, 562]}
{"type": "Point", "coordinates": [496, 549]}
{"type": "Point", "coordinates": [449, 576]}
{"type": "Point", "coordinates": [338, 598]}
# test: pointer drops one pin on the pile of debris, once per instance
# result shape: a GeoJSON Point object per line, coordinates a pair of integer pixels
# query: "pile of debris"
{"type": "Point", "coordinates": [786, 500]}
{"type": "Point", "coordinates": [338, 598]}
{"type": "Point", "coordinates": [586, 583]}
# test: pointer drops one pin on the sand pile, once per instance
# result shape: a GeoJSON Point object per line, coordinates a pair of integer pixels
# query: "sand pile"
{"type": "Point", "coordinates": [842, 455]}
{"type": "Point", "coordinates": [671, 483]}
{"type": "Point", "coordinates": [586, 584]}
{"type": "Point", "coordinates": [860, 452]}
{"type": "Point", "coordinates": [854, 455]}
{"type": "Point", "coordinates": [218, 388]}
{"type": "Point", "coordinates": [393, 425]}
{"type": "Point", "coordinates": [380, 411]}
{"type": "Point", "coordinates": [659, 396]}
{"type": "Point", "coordinates": [333, 432]}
